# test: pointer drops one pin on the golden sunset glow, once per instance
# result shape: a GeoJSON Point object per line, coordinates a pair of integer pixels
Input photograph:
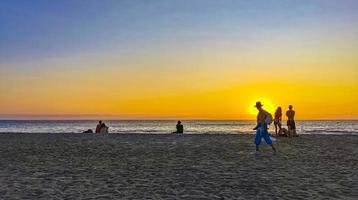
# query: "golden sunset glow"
{"type": "Point", "coordinates": [267, 105]}
{"type": "Point", "coordinates": [182, 66]}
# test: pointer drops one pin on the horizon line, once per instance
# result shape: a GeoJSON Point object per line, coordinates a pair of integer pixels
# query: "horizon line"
{"type": "Point", "coordinates": [159, 119]}
{"type": "Point", "coordinates": [134, 117]}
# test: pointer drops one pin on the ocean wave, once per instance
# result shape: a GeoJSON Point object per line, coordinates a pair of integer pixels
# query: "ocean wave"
{"type": "Point", "coordinates": [339, 132]}
{"type": "Point", "coordinates": [227, 124]}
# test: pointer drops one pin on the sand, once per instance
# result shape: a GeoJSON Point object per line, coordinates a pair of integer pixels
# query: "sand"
{"type": "Point", "coordinates": [129, 166]}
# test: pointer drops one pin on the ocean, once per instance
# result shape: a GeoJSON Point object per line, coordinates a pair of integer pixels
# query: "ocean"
{"type": "Point", "coordinates": [335, 127]}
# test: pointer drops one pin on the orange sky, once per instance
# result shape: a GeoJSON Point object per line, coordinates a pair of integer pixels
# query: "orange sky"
{"type": "Point", "coordinates": [203, 93]}
{"type": "Point", "coordinates": [171, 61]}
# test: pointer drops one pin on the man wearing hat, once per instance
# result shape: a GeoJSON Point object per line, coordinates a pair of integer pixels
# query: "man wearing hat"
{"type": "Point", "coordinates": [261, 128]}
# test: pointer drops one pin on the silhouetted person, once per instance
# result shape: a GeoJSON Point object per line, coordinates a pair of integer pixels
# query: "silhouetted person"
{"type": "Point", "coordinates": [104, 128]}
{"type": "Point", "coordinates": [278, 120]}
{"type": "Point", "coordinates": [180, 127]}
{"type": "Point", "coordinates": [261, 128]}
{"type": "Point", "coordinates": [88, 131]}
{"type": "Point", "coordinates": [283, 132]}
{"type": "Point", "coordinates": [291, 125]}
{"type": "Point", "coordinates": [98, 127]}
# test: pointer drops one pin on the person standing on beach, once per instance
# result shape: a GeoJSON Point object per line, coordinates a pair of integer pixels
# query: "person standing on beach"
{"type": "Point", "coordinates": [291, 120]}
{"type": "Point", "coordinates": [278, 120]}
{"type": "Point", "coordinates": [98, 127]}
{"type": "Point", "coordinates": [261, 128]}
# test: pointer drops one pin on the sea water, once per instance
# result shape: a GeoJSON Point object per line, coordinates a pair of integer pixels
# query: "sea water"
{"type": "Point", "coordinates": [167, 126]}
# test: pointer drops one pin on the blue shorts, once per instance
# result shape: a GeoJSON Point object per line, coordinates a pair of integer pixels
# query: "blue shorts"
{"type": "Point", "coordinates": [262, 133]}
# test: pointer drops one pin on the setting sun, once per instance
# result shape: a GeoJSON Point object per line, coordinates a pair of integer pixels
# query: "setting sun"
{"type": "Point", "coordinates": [194, 69]}
{"type": "Point", "coordinates": [267, 105]}
{"type": "Point", "coordinates": [156, 99]}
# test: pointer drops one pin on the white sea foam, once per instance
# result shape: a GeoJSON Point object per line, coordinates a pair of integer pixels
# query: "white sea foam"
{"type": "Point", "coordinates": [165, 127]}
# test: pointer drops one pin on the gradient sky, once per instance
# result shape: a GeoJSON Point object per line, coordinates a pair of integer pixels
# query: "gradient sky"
{"type": "Point", "coordinates": [170, 59]}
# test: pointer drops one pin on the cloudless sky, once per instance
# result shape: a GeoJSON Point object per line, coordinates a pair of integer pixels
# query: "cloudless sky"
{"type": "Point", "coordinates": [178, 58]}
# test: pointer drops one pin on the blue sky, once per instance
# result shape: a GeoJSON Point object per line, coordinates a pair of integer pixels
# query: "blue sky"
{"type": "Point", "coordinates": [37, 29]}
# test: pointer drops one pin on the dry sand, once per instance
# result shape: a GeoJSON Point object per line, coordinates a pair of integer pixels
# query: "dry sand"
{"type": "Point", "coordinates": [88, 166]}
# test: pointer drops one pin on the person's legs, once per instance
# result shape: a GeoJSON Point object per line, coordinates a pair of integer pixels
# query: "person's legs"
{"type": "Point", "coordinates": [258, 138]}
{"type": "Point", "coordinates": [275, 123]}
{"type": "Point", "coordinates": [279, 127]}
{"type": "Point", "coordinates": [293, 126]}
{"type": "Point", "coordinates": [294, 133]}
{"type": "Point", "coordinates": [273, 148]}
{"type": "Point", "coordinates": [288, 128]}
{"type": "Point", "coordinates": [268, 140]}
{"type": "Point", "coordinates": [288, 131]}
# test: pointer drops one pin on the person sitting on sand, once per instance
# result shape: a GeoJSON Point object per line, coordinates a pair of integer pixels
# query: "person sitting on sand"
{"type": "Point", "coordinates": [278, 120]}
{"type": "Point", "coordinates": [291, 121]}
{"type": "Point", "coordinates": [98, 127]}
{"type": "Point", "coordinates": [104, 129]}
{"type": "Point", "coordinates": [283, 132]}
{"type": "Point", "coordinates": [180, 128]}
{"type": "Point", "coordinates": [261, 128]}
{"type": "Point", "coordinates": [88, 131]}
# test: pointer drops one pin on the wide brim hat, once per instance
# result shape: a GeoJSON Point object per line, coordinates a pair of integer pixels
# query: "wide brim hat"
{"type": "Point", "coordinates": [258, 104]}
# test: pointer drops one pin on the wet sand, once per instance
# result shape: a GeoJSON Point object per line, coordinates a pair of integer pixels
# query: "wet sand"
{"type": "Point", "coordinates": [125, 166]}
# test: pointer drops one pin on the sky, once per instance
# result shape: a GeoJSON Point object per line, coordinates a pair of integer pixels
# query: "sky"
{"type": "Point", "coordinates": [177, 59]}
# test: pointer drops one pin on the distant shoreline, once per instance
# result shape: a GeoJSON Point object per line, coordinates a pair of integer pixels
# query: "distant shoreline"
{"type": "Point", "coordinates": [325, 127]}
{"type": "Point", "coordinates": [104, 119]}
{"type": "Point", "coordinates": [176, 135]}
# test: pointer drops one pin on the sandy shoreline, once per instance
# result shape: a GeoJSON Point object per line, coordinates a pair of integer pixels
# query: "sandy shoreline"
{"type": "Point", "coordinates": [132, 166]}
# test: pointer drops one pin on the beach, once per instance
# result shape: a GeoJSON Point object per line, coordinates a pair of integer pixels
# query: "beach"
{"type": "Point", "coordinates": [164, 166]}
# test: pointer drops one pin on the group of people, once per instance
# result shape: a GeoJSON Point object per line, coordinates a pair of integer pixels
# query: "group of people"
{"type": "Point", "coordinates": [101, 127]}
{"type": "Point", "coordinates": [291, 125]}
{"type": "Point", "coordinates": [264, 118]}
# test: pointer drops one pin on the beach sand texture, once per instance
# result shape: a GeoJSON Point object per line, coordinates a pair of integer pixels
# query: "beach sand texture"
{"type": "Point", "coordinates": [131, 166]}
